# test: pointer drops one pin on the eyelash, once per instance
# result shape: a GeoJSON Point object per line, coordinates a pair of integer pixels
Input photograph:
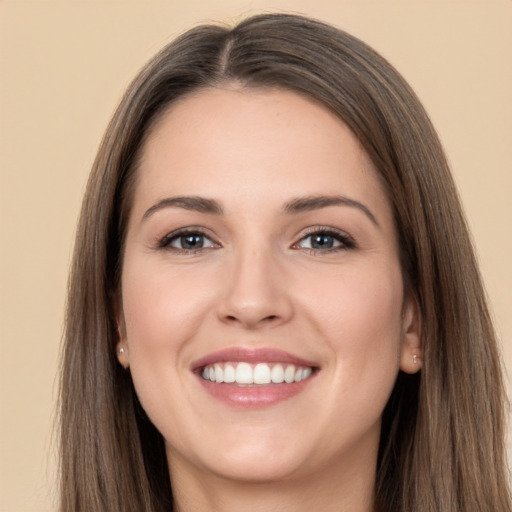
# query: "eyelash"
{"type": "Point", "coordinates": [166, 241]}
{"type": "Point", "coordinates": [345, 240]}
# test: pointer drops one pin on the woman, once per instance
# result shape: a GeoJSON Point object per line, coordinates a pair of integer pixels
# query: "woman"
{"type": "Point", "coordinates": [274, 302]}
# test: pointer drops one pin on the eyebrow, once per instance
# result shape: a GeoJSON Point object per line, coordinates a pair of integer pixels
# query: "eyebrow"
{"type": "Point", "coordinates": [298, 205]}
{"type": "Point", "coordinates": [193, 203]}
{"type": "Point", "coordinates": [309, 203]}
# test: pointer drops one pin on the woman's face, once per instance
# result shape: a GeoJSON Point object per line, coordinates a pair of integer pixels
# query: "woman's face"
{"type": "Point", "coordinates": [263, 314]}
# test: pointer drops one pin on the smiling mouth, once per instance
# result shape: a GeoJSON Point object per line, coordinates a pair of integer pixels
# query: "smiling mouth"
{"type": "Point", "coordinates": [255, 374]}
{"type": "Point", "coordinates": [249, 378]}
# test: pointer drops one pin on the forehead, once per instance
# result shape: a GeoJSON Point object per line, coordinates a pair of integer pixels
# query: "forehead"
{"type": "Point", "coordinates": [238, 143]}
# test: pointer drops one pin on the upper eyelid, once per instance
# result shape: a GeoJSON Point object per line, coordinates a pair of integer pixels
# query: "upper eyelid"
{"type": "Point", "coordinates": [185, 231]}
{"type": "Point", "coordinates": [324, 229]}
{"type": "Point", "coordinates": [188, 229]}
{"type": "Point", "coordinates": [345, 238]}
{"type": "Point", "coordinates": [305, 232]}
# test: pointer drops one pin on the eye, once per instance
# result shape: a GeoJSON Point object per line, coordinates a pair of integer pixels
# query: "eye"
{"type": "Point", "coordinates": [325, 240]}
{"type": "Point", "coordinates": [187, 241]}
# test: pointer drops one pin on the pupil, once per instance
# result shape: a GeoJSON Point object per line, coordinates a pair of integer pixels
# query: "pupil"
{"type": "Point", "coordinates": [191, 241]}
{"type": "Point", "coordinates": [322, 241]}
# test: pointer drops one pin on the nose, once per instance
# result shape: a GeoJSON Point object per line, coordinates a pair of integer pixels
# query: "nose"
{"type": "Point", "coordinates": [255, 294]}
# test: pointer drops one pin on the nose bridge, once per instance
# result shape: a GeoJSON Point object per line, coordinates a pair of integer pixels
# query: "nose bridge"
{"type": "Point", "coordinates": [255, 293]}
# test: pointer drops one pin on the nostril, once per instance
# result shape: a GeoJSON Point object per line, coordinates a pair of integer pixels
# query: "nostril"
{"type": "Point", "coordinates": [265, 311]}
{"type": "Point", "coordinates": [243, 320]}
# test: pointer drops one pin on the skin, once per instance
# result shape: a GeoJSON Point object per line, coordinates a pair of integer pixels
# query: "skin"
{"type": "Point", "coordinates": [257, 283]}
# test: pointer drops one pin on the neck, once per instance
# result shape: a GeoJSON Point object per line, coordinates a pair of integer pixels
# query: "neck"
{"type": "Point", "coordinates": [329, 490]}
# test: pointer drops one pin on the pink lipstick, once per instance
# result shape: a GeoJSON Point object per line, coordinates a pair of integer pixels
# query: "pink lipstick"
{"type": "Point", "coordinates": [253, 378]}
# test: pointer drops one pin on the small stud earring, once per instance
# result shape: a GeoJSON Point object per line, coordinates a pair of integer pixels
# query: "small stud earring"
{"type": "Point", "coordinates": [414, 359]}
{"type": "Point", "coordinates": [121, 351]}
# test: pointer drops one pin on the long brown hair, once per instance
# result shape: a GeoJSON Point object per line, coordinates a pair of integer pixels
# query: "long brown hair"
{"type": "Point", "coordinates": [442, 445]}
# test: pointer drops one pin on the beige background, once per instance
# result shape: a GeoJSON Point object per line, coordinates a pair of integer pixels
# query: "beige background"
{"type": "Point", "coordinates": [63, 67]}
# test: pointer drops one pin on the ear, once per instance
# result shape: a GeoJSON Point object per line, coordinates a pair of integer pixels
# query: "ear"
{"type": "Point", "coordinates": [411, 355]}
{"type": "Point", "coordinates": [122, 345]}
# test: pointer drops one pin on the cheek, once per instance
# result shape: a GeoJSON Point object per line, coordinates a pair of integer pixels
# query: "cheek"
{"type": "Point", "coordinates": [160, 306]}
{"type": "Point", "coordinates": [364, 306]}
{"type": "Point", "coordinates": [360, 317]}
{"type": "Point", "coordinates": [162, 312]}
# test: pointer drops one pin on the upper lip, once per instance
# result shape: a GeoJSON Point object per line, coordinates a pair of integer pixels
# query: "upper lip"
{"type": "Point", "coordinates": [250, 355]}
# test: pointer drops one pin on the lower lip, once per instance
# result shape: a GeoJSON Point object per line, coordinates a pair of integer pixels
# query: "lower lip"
{"type": "Point", "coordinates": [253, 397]}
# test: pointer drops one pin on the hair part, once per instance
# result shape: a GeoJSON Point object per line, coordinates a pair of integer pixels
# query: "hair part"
{"type": "Point", "coordinates": [442, 440]}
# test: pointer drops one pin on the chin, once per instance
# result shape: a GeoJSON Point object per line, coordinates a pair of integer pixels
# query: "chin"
{"type": "Point", "coordinates": [267, 461]}
{"type": "Point", "coordinates": [249, 469]}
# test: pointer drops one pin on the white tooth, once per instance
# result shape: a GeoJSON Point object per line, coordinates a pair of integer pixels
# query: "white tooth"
{"type": "Point", "coordinates": [277, 374]}
{"type": "Point", "coordinates": [262, 374]}
{"type": "Point", "coordinates": [289, 373]}
{"type": "Point", "coordinates": [206, 373]}
{"type": "Point", "coordinates": [298, 375]}
{"type": "Point", "coordinates": [243, 373]}
{"type": "Point", "coordinates": [229, 373]}
{"type": "Point", "coordinates": [211, 374]}
{"type": "Point", "coordinates": [306, 373]}
{"type": "Point", "coordinates": [219, 373]}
